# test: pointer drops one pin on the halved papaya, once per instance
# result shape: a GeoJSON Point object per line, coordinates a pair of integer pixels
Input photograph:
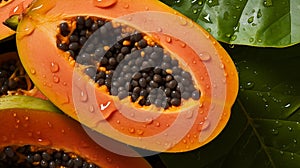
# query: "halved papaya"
{"type": "Point", "coordinates": [14, 79]}
{"type": "Point", "coordinates": [136, 71]}
{"type": "Point", "coordinates": [34, 133]}
{"type": "Point", "coordinates": [9, 8]}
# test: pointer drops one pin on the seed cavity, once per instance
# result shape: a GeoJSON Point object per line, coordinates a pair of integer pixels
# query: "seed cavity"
{"type": "Point", "coordinates": [33, 156]}
{"type": "Point", "coordinates": [14, 80]}
{"type": "Point", "coordinates": [127, 62]}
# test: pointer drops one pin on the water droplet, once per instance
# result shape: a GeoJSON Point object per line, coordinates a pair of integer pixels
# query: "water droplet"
{"type": "Point", "coordinates": [56, 79]}
{"type": "Point", "coordinates": [250, 19]}
{"type": "Point", "coordinates": [83, 96]}
{"type": "Point", "coordinates": [249, 85]}
{"type": "Point", "coordinates": [204, 56]}
{"type": "Point", "coordinates": [104, 3]}
{"type": "Point", "coordinates": [157, 124]}
{"type": "Point", "coordinates": [126, 6]}
{"type": "Point", "coordinates": [222, 66]}
{"type": "Point", "coordinates": [32, 71]}
{"type": "Point", "coordinates": [274, 131]}
{"type": "Point", "coordinates": [159, 29]}
{"type": "Point", "coordinates": [290, 128]}
{"type": "Point", "coordinates": [287, 105]}
{"type": "Point", "coordinates": [140, 132]}
{"type": "Point", "coordinates": [146, 8]}
{"type": "Point", "coordinates": [268, 3]}
{"type": "Point", "coordinates": [109, 159]}
{"type": "Point", "coordinates": [131, 130]}
{"type": "Point", "coordinates": [205, 125]}
{"type": "Point", "coordinates": [281, 152]}
{"type": "Point", "coordinates": [54, 67]}
{"type": "Point", "coordinates": [259, 14]}
{"type": "Point", "coordinates": [49, 124]}
{"type": "Point", "coordinates": [91, 109]}
{"type": "Point", "coordinates": [182, 21]}
{"type": "Point", "coordinates": [44, 142]}
{"type": "Point", "coordinates": [206, 18]}
{"type": "Point", "coordinates": [195, 11]}
{"type": "Point", "coordinates": [295, 140]}
{"type": "Point", "coordinates": [189, 114]}
{"type": "Point", "coordinates": [118, 121]}
{"type": "Point", "coordinates": [251, 40]}
{"type": "Point", "coordinates": [168, 39]}
{"type": "Point", "coordinates": [233, 37]}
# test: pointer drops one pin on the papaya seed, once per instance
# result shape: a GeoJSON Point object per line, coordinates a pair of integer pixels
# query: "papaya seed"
{"type": "Point", "coordinates": [135, 52]}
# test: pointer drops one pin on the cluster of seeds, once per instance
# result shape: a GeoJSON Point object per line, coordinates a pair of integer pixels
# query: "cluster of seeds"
{"type": "Point", "coordinates": [13, 78]}
{"type": "Point", "coordinates": [127, 62]}
{"type": "Point", "coordinates": [28, 157]}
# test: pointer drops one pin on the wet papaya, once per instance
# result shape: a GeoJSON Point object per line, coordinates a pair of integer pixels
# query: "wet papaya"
{"type": "Point", "coordinates": [9, 8]}
{"type": "Point", "coordinates": [34, 133]}
{"type": "Point", "coordinates": [136, 71]}
{"type": "Point", "coordinates": [14, 79]}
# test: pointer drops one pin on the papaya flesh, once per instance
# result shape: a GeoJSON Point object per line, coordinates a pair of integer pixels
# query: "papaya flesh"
{"type": "Point", "coordinates": [14, 79]}
{"type": "Point", "coordinates": [44, 44]}
{"type": "Point", "coordinates": [9, 8]}
{"type": "Point", "coordinates": [36, 136]}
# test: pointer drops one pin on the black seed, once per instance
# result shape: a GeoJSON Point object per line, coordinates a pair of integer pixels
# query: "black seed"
{"type": "Point", "coordinates": [12, 84]}
{"type": "Point", "coordinates": [88, 22]}
{"type": "Point", "coordinates": [63, 46]}
{"type": "Point", "coordinates": [90, 71]}
{"type": "Point", "coordinates": [169, 78]}
{"type": "Point", "coordinates": [167, 91]}
{"type": "Point", "coordinates": [142, 101]}
{"type": "Point", "coordinates": [29, 158]}
{"type": "Point", "coordinates": [134, 97]}
{"type": "Point", "coordinates": [77, 162]}
{"type": "Point", "coordinates": [167, 58]}
{"type": "Point", "coordinates": [144, 93]}
{"type": "Point", "coordinates": [186, 75]}
{"type": "Point", "coordinates": [64, 28]}
{"type": "Point", "coordinates": [136, 37]}
{"type": "Point", "coordinates": [37, 157]}
{"type": "Point", "coordinates": [120, 57]}
{"type": "Point", "coordinates": [136, 90]}
{"type": "Point", "coordinates": [186, 95]}
{"type": "Point", "coordinates": [122, 94]}
{"type": "Point", "coordinates": [46, 156]}
{"type": "Point", "coordinates": [44, 163]}
{"type": "Point", "coordinates": [94, 26]}
{"type": "Point", "coordinates": [165, 65]}
{"type": "Point", "coordinates": [142, 43]}
{"type": "Point", "coordinates": [65, 157]}
{"type": "Point", "coordinates": [153, 84]}
{"type": "Point", "coordinates": [52, 164]}
{"type": "Point", "coordinates": [9, 152]}
{"type": "Point", "coordinates": [80, 20]}
{"type": "Point", "coordinates": [112, 61]}
{"type": "Point", "coordinates": [172, 84]}
{"type": "Point", "coordinates": [175, 102]}
{"type": "Point", "coordinates": [196, 95]}
{"type": "Point", "coordinates": [82, 40]}
{"type": "Point", "coordinates": [104, 61]}
{"type": "Point", "coordinates": [174, 62]}
{"type": "Point", "coordinates": [73, 46]}
{"type": "Point", "coordinates": [142, 82]}
{"type": "Point", "coordinates": [73, 38]}
{"type": "Point", "coordinates": [175, 94]}
{"type": "Point", "coordinates": [136, 76]}
{"type": "Point", "coordinates": [125, 50]}
{"type": "Point", "coordinates": [101, 81]}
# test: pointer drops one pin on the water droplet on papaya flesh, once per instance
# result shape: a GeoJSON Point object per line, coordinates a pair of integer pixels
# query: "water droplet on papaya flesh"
{"type": "Point", "coordinates": [54, 67]}
{"type": "Point", "coordinates": [128, 62]}
{"type": "Point", "coordinates": [40, 156]}
{"type": "Point", "coordinates": [104, 3]}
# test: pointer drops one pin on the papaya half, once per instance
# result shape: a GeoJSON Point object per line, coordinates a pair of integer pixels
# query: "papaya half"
{"type": "Point", "coordinates": [34, 133]}
{"type": "Point", "coordinates": [8, 8]}
{"type": "Point", "coordinates": [136, 71]}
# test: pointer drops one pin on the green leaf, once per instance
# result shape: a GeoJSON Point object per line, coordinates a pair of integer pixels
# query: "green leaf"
{"type": "Point", "coordinates": [264, 129]}
{"type": "Point", "coordinates": [264, 23]}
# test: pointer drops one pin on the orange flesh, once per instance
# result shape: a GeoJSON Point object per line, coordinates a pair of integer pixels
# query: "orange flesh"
{"type": "Point", "coordinates": [197, 122]}
{"type": "Point", "coordinates": [56, 131]}
{"type": "Point", "coordinates": [7, 9]}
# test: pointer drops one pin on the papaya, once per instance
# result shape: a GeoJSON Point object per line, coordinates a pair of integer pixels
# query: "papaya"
{"type": "Point", "coordinates": [34, 133]}
{"type": "Point", "coordinates": [136, 71]}
{"type": "Point", "coordinates": [9, 8]}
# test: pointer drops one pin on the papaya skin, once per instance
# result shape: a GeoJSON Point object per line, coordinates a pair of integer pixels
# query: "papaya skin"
{"type": "Point", "coordinates": [49, 128]}
{"type": "Point", "coordinates": [7, 9]}
{"type": "Point", "coordinates": [198, 122]}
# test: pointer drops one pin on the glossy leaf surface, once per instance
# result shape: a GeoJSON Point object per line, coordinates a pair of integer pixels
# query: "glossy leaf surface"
{"type": "Point", "coordinates": [256, 23]}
